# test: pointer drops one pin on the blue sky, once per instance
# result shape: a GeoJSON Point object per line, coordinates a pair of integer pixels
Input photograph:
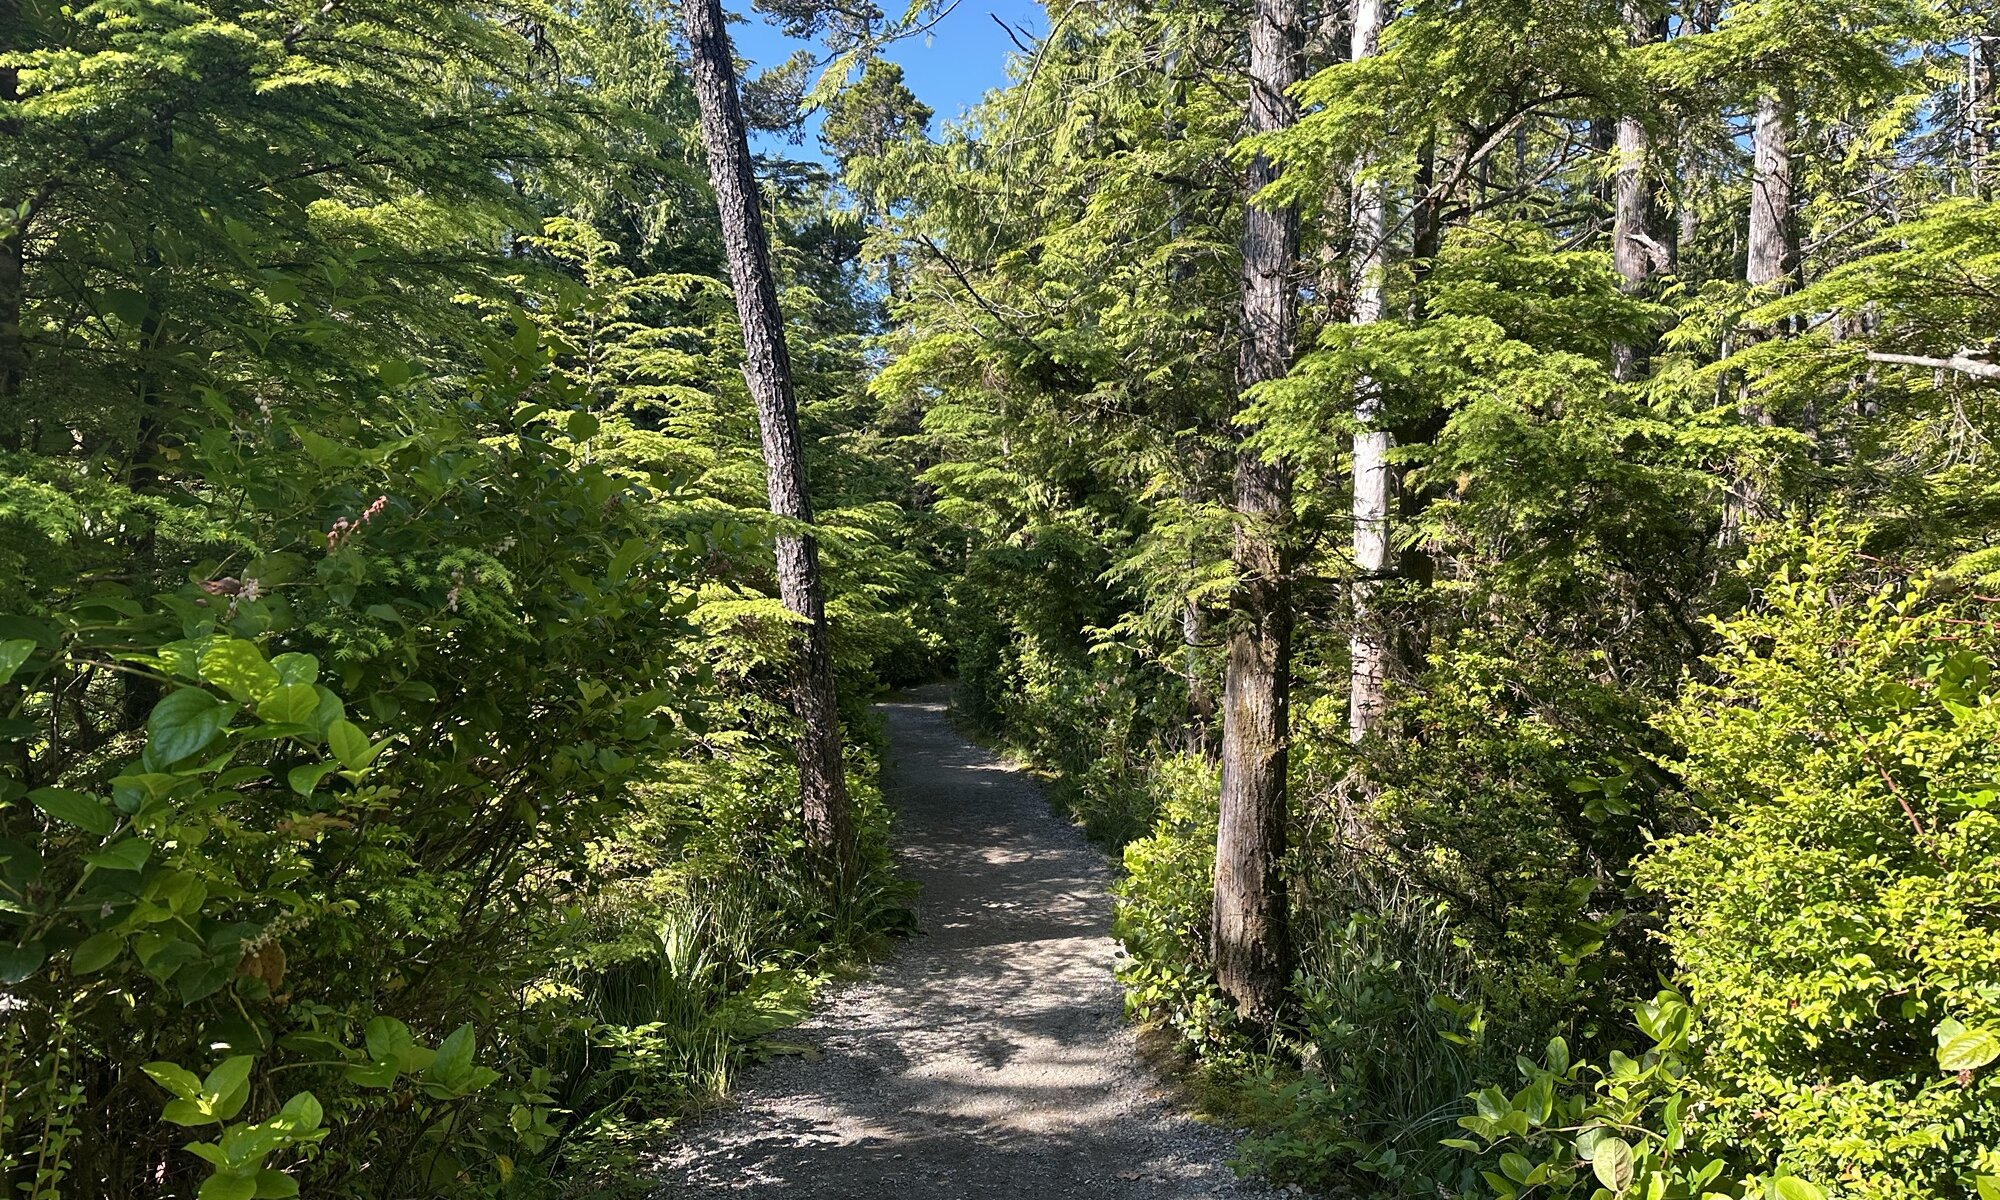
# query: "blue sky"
{"type": "Point", "coordinates": [962, 57]}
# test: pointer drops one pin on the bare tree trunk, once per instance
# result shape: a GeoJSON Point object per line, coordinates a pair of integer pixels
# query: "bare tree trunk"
{"type": "Point", "coordinates": [1774, 246]}
{"type": "Point", "coordinates": [767, 369]}
{"type": "Point", "coordinates": [13, 288]}
{"type": "Point", "coordinates": [1634, 252]}
{"type": "Point", "coordinates": [1982, 111]}
{"type": "Point", "coordinates": [1771, 264]}
{"type": "Point", "coordinates": [1369, 647]}
{"type": "Point", "coordinates": [1251, 940]}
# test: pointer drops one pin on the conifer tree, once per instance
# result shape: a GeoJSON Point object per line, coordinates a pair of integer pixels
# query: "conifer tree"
{"type": "Point", "coordinates": [1251, 940]}
{"type": "Point", "coordinates": [767, 369]}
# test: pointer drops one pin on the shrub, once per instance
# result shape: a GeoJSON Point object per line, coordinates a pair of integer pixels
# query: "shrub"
{"type": "Point", "coordinates": [1837, 923]}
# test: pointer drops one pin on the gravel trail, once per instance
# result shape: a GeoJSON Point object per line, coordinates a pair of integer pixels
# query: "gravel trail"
{"type": "Point", "coordinates": [987, 1057]}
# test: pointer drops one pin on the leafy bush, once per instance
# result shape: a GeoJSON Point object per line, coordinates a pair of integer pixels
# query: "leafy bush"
{"type": "Point", "coordinates": [1836, 925]}
{"type": "Point", "coordinates": [358, 897]}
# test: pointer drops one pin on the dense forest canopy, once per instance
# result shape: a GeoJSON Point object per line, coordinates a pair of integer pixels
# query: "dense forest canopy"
{"type": "Point", "coordinates": [1487, 505]}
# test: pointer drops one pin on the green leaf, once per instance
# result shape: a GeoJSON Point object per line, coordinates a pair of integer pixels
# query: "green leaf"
{"type": "Point", "coordinates": [87, 813]}
{"type": "Point", "coordinates": [14, 652]}
{"type": "Point", "coordinates": [238, 667]}
{"type": "Point", "coordinates": [1791, 1187]}
{"type": "Point", "coordinates": [296, 668]}
{"type": "Point", "coordinates": [228, 1187]}
{"type": "Point", "coordinates": [1968, 1051]}
{"type": "Point", "coordinates": [290, 704]}
{"type": "Point", "coordinates": [348, 744]}
{"type": "Point", "coordinates": [184, 723]}
{"type": "Point", "coordinates": [229, 1084]}
{"type": "Point", "coordinates": [126, 854]}
{"type": "Point", "coordinates": [454, 1057]}
{"type": "Point", "coordinates": [303, 779]}
{"type": "Point", "coordinates": [1611, 1162]}
{"type": "Point", "coordinates": [188, 1113]}
{"type": "Point", "coordinates": [582, 426]}
{"type": "Point", "coordinates": [1989, 1187]}
{"type": "Point", "coordinates": [19, 962]}
{"type": "Point", "coordinates": [175, 1078]}
{"type": "Point", "coordinates": [96, 952]}
{"type": "Point", "coordinates": [300, 1115]}
{"type": "Point", "coordinates": [275, 1185]}
{"type": "Point", "coordinates": [200, 979]}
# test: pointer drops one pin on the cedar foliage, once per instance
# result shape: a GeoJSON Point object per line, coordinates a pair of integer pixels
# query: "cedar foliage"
{"type": "Point", "coordinates": [399, 791]}
{"type": "Point", "coordinates": [1680, 626]}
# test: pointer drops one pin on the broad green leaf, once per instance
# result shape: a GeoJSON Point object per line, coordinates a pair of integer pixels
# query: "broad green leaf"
{"type": "Point", "coordinates": [289, 704]}
{"type": "Point", "coordinates": [582, 426]}
{"type": "Point", "coordinates": [126, 854]}
{"type": "Point", "coordinates": [1791, 1187]}
{"type": "Point", "coordinates": [348, 744]}
{"type": "Point", "coordinates": [184, 723]}
{"type": "Point", "coordinates": [96, 952]}
{"type": "Point", "coordinates": [238, 667]}
{"type": "Point", "coordinates": [1611, 1162]}
{"type": "Point", "coordinates": [303, 779]}
{"type": "Point", "coordinates": [1968, 1051]}
{"type": "Point", "coordinates": [19, 962]}
{"type": "Point", "coordinates": [200, 979]}
{"type": "Point", "coordinates": [229, 1084]}
{"type": "Point", "coordinates": [189, 1113]}
{"type": "Point", "coordinates": [296, 668]}
{"type": "Point", "coordinates": [301, 1114]}
{"type": "Point", "coordinates": [175, 1078]}
{"type": "Point", "coordinates": [14, 652]}
{"type": "Point", "coordinates": [275, 1185]}
{"type": "Point", "coordinates": [228, 1187]}
{"type": "Point", "coordinates": [87, 813]}
{"type": "Point", "coordinates": [454, 1057]}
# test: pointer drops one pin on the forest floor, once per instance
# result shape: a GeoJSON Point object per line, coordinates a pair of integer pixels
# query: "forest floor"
{"type": "Point", "coordinates": [987, 1057]}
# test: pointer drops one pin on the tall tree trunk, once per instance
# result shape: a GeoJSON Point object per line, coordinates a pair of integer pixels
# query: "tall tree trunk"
{"type": "Point", "coordinates": [1774, 243]}
{"type": "Point", "coordinates": [1369, 643]}
{"type": "Point", "coordinates": [1251, 940]}
{"type": "Point", "coordinates": [1982, 110]}
{"type": "Point", "coordinates": [1634, 252]}
{"type": "Point", "coordinates": [767, 369]}
{"type": "Point", "coordinates": [13, 287]}
{"type": "Point", "coordinates": [1771, 263]}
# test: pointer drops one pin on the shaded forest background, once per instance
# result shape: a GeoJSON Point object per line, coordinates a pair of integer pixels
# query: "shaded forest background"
{"type": "Point", "coordinates": [1516, 476]}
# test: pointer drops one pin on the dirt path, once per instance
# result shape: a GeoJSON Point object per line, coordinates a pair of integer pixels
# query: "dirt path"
{"type": "Point", "coordinates": [987, 1058]}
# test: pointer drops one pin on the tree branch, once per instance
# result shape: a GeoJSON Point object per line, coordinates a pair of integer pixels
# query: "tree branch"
{"type": "Point", "coordinates": [1962, 362]}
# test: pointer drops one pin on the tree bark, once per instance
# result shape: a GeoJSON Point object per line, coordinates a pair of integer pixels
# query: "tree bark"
{"type": "Point", "coordinates": [1771, 263]}
{"type": "Point", "coordinates": [767, 369]}
{"type": "Point", "coordinates": [1633, 251]}
{"type": "Point", "coordinates": [1251, 943]}
{"type": "Point", "coordinates": [13, 289]}
{"type": "Point", "coordinates": [1982, 110]}
{"type": "Point", "coordinates": [1369, 643]}
{"type": "Point", "coordinates": [1774, 246]}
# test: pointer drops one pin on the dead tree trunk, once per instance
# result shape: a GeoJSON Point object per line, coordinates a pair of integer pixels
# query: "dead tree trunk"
{"type": "Point", "coordinates": [767, 369]}
{"type": "Point", "coordinates": [1370, 642]}
{"type": "Point", "coordinates": [1251, 940]}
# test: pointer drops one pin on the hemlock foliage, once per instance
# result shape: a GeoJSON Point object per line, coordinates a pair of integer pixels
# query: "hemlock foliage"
{"type": "Point", "coordinates": [399, 794]}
